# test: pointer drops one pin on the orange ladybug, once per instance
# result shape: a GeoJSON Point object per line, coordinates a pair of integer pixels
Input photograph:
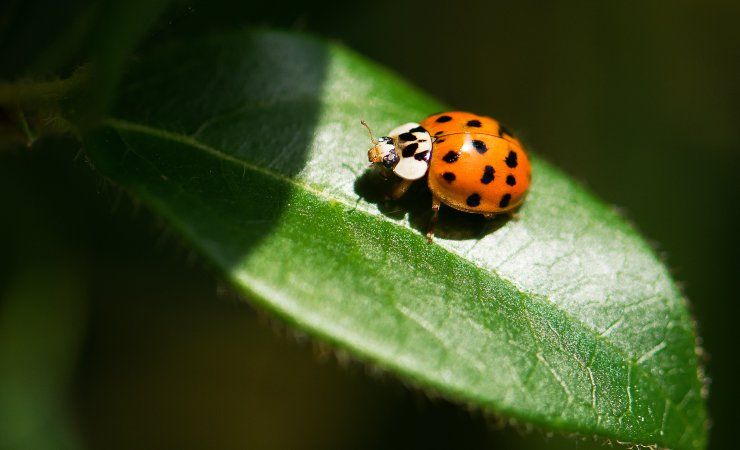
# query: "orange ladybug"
{"type": "Point", "coordinates": [472, 162]}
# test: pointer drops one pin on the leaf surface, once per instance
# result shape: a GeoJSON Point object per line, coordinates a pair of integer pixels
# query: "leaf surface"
{"type": "Point", "coordinates": [249, 145]}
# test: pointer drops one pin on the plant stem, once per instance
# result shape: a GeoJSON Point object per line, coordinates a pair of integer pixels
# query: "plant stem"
{"type": "Point", "coordinates": [30, 138]}
{"type": "Point", "coordinates": [24, 94]}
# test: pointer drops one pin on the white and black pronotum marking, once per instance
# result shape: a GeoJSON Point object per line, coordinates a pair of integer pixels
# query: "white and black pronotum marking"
{"type": "Point", "coordinates": [414, 146]}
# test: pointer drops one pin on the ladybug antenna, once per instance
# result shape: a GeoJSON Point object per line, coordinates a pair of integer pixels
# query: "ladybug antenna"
{"type": "Point", "coordinates": [372, 138]}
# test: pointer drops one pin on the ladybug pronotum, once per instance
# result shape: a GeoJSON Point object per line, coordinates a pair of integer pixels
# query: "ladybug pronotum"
{"type": "Point", "coordinates": [472, 163]}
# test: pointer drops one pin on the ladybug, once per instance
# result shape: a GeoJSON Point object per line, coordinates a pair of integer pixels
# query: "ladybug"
{"type": "Point", "coordinates": [472, 162]}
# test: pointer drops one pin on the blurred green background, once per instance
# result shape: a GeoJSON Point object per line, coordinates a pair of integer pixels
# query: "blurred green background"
{"type": "Point", "coordinates": [113, 335]}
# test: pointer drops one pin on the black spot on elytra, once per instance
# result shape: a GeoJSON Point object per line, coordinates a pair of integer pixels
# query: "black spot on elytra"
{"type": "Point", "coordinates": [505, 201]}
{"type": "Point", "coordinates": [450, 157]}
{"type": "Point", "coordinates": [511, 159]}
{"type": "Point", "coordinates": [473, 200]}
{"type": "Point", "coordinates": [502, 130]}
{"type": "Point", "coordinates": [418, 129]}
{"type": "Point", "coordinates": [474, 123]}
{"type": "Point", "coordinates": [421, 156]}
{"type": "Point", "coordinates": [405, 137]}
{"type": "Point", "coordinates": [480, 146]}
{"type": "Point", "coordinates": [439, 132]}
{"type": "Point", "coordinates": [449, 177]}
{"type": "Point", "coordinates": [409, 150]}
{"type": "Point", "coordinates": [443, 119]}
{"type": "Point", "coordinates": [487, 175]}
{"type": "Point", "coordinates": [510, 180]}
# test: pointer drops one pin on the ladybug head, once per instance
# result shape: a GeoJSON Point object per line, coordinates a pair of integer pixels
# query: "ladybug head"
{"type": "Point", "coordinates": [383, 150]}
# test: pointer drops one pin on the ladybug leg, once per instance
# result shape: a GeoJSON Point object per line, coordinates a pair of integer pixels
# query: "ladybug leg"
{"type": "Point", "coordinates": [436, 203]}
{"type": "Point", "coordinates": [489, 216]}
{"type": "Point", "coordinates": [400, 189]}
{"type": "Point", "coordinates": [514, 215]}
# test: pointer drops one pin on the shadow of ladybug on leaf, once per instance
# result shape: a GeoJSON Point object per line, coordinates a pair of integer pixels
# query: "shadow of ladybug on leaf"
{"type": "Point", "coordinates": [376, 185]}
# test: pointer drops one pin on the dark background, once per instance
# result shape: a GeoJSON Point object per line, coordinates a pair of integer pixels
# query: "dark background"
{"type": "Point", "coordinates": [113, 335]}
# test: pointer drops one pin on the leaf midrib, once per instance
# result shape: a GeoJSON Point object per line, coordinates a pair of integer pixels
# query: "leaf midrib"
{"type": "Point", "coordinates": [186, 140]}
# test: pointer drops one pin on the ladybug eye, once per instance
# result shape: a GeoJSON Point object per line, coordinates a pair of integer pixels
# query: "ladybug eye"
{"type": "Point", "coordinates": [390, 159]}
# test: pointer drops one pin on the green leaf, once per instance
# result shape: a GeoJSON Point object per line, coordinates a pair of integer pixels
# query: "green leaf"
{"type": "Point", "coordinates": [249, 144]}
